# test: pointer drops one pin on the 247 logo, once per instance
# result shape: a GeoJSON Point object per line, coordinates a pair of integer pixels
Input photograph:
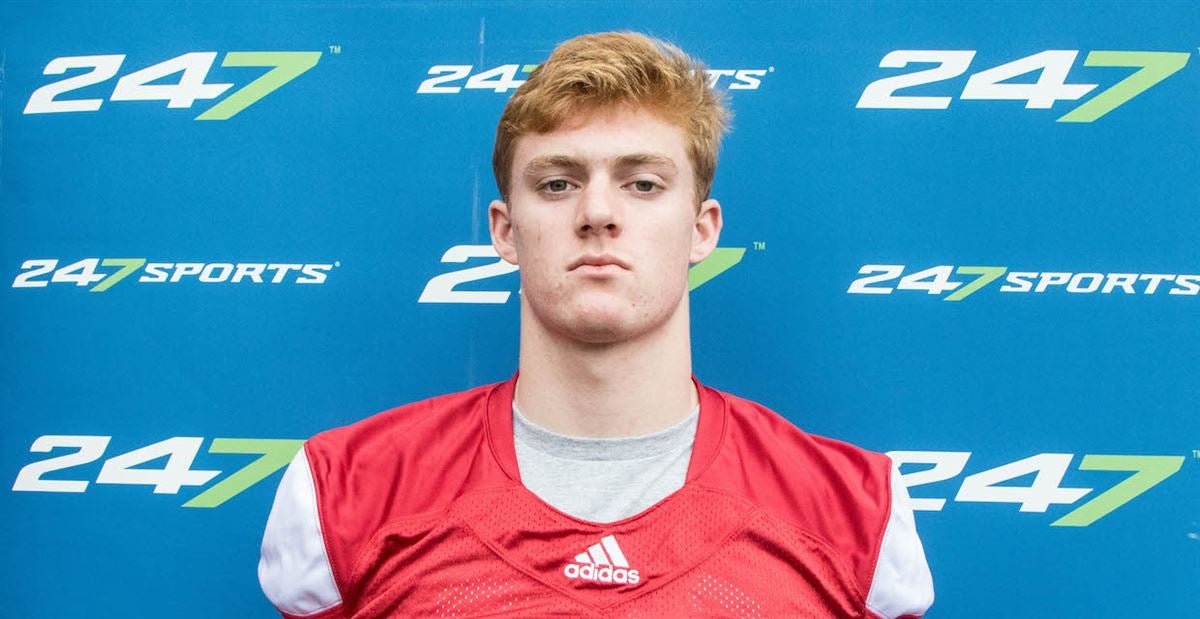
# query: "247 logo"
{"type": "Point", "coordinates": [448, 79]}
{"type": "Point", "coordinates": [104, 273]}
{"type": "Point", "coordinates": [444, 288]}
{"type": "Point", "coordinates": [937, 280]}
{"type": "Point", "coordinates": [148, 84]}
{"type": "Point", "coordinates": [137, 467]}
{"type": "Point", "coordinates": [1051, 66]}
{"type": "Point", "coordinates": [999, 484]}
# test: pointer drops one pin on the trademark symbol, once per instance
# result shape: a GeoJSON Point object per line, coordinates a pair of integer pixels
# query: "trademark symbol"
{"type": "Point", "coordinates": [1196, 453]}
{"type": "Point", "coordinates": [335, 49]}
{"type": "Point", "coordinates": [770, 69]}
{"type": "Point", "coordinates": [337, 263]}
{"type": "Point", "coordinates": [760, 245]}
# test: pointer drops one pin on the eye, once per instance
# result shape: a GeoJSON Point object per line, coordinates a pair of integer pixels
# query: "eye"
{"type": "Point", "coordinates": [645, 186]}
{"type": "Point", "coordinates": [555, 185]}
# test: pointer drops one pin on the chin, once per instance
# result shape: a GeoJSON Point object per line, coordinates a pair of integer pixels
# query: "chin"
{"type": "Point", "coordinates": [599, 333]}
{"type": "Point", "coordinates": [599, 327]}
{"type": "Point", "coordinates": [600, 319]}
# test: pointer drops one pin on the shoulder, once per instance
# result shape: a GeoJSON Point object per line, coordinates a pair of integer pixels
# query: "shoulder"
{"type": "Point", "coordinates": [345, 483]}
{"type": "Point", "coordinates": [796, 473]}
{"type": "Point", "coordinates": [848, 497]}
{"type": "Point", "coordinates": [379, 468]}
{"type": "Point", "coordinates": [379, 439]}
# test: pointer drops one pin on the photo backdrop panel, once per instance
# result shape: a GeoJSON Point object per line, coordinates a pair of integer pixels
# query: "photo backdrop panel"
{"type": "Point", "coordinates": [961, 235]}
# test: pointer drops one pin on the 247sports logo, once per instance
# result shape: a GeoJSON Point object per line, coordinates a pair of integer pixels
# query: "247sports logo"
{"type": "Point", "coordinates": [167, 466]}
{"type": "Point", "coordinates": [444, 288]}
{"type": "Point", "coordinates": [968, 280]}
{"type": "Point", "coordinates": [150, 83]}
{"type": "Point", "coordinates": [104, 273]}
{"type": "Point", "coordinates": [1052, 68]}
{"type": "Point", "coordinates": [451, 79]}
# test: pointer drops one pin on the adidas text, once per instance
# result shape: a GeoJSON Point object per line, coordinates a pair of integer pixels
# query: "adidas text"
{"type": "Point", "coordinates": [604, 573]}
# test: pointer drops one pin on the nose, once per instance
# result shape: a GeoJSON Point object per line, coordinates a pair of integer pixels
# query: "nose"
{"type": "Point", "coordinates": [598, 211]}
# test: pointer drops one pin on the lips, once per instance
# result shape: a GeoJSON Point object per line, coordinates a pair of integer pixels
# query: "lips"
{"type": "Point", "coordinates": [597, 260]}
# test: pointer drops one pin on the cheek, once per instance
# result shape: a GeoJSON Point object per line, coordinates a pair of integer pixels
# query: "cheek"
{"type": "Point", "coordinates": [527, 239]}
{"type": "Point", "coordinates": [540, 266]}
{"type": "Point", "coordinates": [673, 249]}
{"type": "Point", "coordinates": [666, 281]}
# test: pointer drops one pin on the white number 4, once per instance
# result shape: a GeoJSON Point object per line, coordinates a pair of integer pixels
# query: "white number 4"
{"type": "Point", "coordinates": [193, 67]}
{"type": "Point", "coordinates": [1048, 470]}
{"type": "Point", "coordinates": [934, 280]}
{"type": "Point", "coordinates": [181, 451]}
{"type": "Point", "coordinates": [1051, 85]}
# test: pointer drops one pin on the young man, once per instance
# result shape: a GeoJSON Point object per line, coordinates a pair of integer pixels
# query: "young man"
{"type": "Point", "coordinates": [602, 480]}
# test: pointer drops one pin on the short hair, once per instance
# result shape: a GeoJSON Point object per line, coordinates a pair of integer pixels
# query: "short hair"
{"type": "Point", "coordinates": [597, 71]}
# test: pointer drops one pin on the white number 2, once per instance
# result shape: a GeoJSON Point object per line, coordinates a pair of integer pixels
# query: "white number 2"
{"type": "Point", "coordinates": [442, 74]}
{"type": "Point", "coordinates": [441, 288]}
{"type": "Point", "coordinates": [946, 465]}
{"type": "Point", "coordinates": [29, 479]}
{"type": "Point", "coordinates": [881, 93]}
{"type": "Point", "coordinates": [885, 272]}
{"type": "Point", "coordinates": [103, 67]}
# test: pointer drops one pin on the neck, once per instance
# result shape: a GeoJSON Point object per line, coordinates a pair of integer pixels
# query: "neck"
{"type": "Point", "coordinates": [629, 388]}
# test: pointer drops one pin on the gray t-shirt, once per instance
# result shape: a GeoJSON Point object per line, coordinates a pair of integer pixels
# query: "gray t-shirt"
{"type": "Point", "coordinates": [603, 479]}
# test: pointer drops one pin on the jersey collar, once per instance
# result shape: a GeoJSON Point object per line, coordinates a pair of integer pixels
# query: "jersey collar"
{"type": "Point", "coordinates": [710, 429]}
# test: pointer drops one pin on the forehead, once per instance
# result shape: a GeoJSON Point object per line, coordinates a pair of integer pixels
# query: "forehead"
{"type": "Point", "coordinates": [603, 136]}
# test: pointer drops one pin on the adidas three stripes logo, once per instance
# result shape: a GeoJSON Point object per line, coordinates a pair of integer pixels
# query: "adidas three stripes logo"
{"type": "Point", "coordinates": [602, 563]}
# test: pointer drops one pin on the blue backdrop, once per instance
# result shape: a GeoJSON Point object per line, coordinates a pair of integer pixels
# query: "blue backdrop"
{"type": "Point", "coordinates": [964, 234]}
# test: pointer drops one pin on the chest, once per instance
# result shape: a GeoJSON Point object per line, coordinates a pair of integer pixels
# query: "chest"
{"type": "Point", "coordinates": [506, 553]}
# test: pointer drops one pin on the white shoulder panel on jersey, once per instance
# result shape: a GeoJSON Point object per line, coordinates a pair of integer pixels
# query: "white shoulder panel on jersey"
{"type": "Point", "coordinates": [293, 568]}
{"type": "Point", "coordinates": [902, 584]}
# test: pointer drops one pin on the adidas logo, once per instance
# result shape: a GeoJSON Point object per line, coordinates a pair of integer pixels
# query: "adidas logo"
{"type": "Point", "coordinates": [603, 562]}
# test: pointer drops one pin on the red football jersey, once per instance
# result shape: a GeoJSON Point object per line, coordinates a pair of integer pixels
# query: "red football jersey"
{"type": "Point", "coordinates": [420, 511]}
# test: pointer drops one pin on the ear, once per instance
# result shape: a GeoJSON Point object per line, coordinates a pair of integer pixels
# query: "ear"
{"type": "Point", "coordinates": [706, 231]}
{"type": "Point", "coordinates": [503, 235]}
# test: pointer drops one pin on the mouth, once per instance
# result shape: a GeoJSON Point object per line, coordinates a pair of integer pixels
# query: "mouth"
{"type": "Point", "coordinates": [598, 262]}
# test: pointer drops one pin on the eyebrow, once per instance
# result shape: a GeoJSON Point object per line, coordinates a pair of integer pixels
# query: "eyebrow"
{"type": "Point", "coordinates": [645, 159]}
{"type": "Point", "coordinates": [539, 165]}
